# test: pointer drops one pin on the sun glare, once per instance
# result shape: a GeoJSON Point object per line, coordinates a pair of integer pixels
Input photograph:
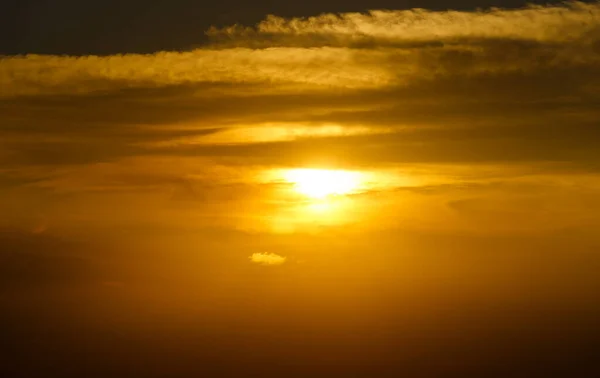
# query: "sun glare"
{"type": "Point", "coordinates": [321, 183]}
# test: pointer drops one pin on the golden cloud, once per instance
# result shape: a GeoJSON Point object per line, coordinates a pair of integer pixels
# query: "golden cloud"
{"type": "Point", "coordinates": [270, 259]}
{"type": "Point", "coordinates": [373, 50]}
{"type": "Point", "coordinates": [557, 23]}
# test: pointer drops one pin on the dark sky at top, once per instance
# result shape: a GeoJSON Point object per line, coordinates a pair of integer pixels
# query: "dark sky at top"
{"type": "Point", "coordinates": [78, 27]}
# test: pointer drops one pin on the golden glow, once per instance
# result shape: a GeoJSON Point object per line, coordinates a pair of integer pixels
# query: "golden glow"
{"type": "Point", "coordinates": [322, 183]}
{"type": "Point", "coordinates": [309, 199]}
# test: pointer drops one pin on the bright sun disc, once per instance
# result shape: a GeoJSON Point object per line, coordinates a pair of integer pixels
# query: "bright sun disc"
{"type": "Point", "coordinates": [321, 183]}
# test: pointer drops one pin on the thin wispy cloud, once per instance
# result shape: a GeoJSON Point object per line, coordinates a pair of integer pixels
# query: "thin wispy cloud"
{"type": "Point", "coordinates": [558, 23]}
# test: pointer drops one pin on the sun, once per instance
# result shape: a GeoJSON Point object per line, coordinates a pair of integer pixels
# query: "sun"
{"type": "Point", "coordinates": [322, 183]}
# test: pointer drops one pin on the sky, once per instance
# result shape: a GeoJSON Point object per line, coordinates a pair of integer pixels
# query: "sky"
{"type": "Point", "coordinates": [323, 189]}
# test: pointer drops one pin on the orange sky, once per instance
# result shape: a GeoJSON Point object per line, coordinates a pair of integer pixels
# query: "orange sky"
{"type": "Point", "coordinates": [348, 194]}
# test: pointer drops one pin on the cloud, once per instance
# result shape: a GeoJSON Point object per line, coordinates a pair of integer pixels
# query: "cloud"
{"type": "Point", "coordinates": [270, 259]}
{"type": "Point", "coordinates": [353, 50]}
{"type": "Point", "coordinates": [488, 88]}
{"type": "Point", "coordinates": [38, 74]}
{"type": "Point", "coordinates": [560, 23]}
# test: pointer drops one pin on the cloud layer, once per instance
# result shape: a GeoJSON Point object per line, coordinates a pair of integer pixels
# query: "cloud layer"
{"type": "Point", "coordinates": [516, 90]}
{"type": "Point", "coordinates": [349, 51]}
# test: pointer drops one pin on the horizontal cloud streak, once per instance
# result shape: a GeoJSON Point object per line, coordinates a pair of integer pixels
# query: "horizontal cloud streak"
{"type": "Point", "coordinates": [565, 23]}
{"type": "Point", "coordinates": [38, 74]}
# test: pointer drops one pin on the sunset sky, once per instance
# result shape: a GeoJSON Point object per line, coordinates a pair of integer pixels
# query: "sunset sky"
{"type": "Point", "coordinates": [320, 189]}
